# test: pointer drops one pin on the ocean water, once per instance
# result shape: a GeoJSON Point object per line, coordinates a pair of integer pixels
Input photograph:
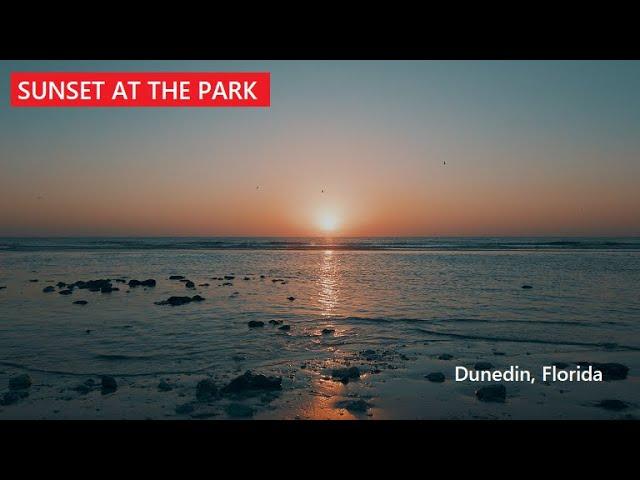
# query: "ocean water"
{"type": "Point", "coordinates": [407, 299]}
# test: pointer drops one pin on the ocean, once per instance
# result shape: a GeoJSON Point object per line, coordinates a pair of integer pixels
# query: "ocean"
{"type": "Point", "coordinates": [396, 308]}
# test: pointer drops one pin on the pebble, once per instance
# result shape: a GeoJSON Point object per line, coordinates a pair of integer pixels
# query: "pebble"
{"type": "Point", "coordinates": [346, 374]}
{"type": "Point", "coordinates": [238, 410]}
{"type": "Point", "coordinates": [615, 405]}
{"type": "Point", "coordinates": [492, 393]}
{"type": "Point", "coordinates": [20, 382]}
{"type": "Point", "coordinates": [436, 377]}
{"type": "Point", "coordinates": [206, 390]}
{"type": "Point", "coordinates": [109, 384]}
{"type": "Point", "coordinates": [164, 386]}
{"type": "Point", "coordinates": [483, 366]}
{"type": "Point", "coordinates": [184, 409]}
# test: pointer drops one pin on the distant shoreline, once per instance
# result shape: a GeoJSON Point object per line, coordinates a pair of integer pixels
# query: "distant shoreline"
{"type": "Point", "coordinates": [401, 244]}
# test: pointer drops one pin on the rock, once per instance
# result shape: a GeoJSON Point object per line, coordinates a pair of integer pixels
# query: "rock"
{"type": "Point", "coordinates": [185, 409]}
{"type": "Point", "coordinates": [3, 287]}
{"type": "Point", "coordinates": [291, 299]}
{"type": "Point", "coordinates": [275, 322]}
{"type": "Point", "coordinates": [238, 410]}
{"type": "Point", "coordinates": [164, 386]}
{"type": "Point", "coordinates": [109, 289]}
{"type": "Point", "coordinates": [82, 389]}
{"type": "Point", "coordinates": [370, 355]}
{"type": "Point", "coordinates": [92, 285]}
{"type": "Point", "coordinates": [251, 382]}
{"type": "Point", "coordinates": [229, 277]}
{"type": "Point", "coordinates": [144, 283]}
{"type": "Point", "coordinates": [610, 371]}
{"type": "Point", "coordinates": [246, 278]}
{"type": "Point", "coordinates": [61, 284]}
{"type": "Point", "coordinates": [346, 374]}
{"type": "Point", "coordinates": [176, 301]}
{"type": "Point", "coordinates": [436, 377]}
{"type": "Point", "coordinates": [85, 387]}
{"type": "Point", "coordinates": [176, 277]}
{"type": "Point", "coordinates": [12, 397]}
{"type": "Point", "coordinates": [527, 287]}
{"type": "Point", "coordinates": [190, 284]}
{"type": "Point", "coordinates": [483, 366]}
{"type": "Point", "coordinates": [492, 393]}
{"type": "Point", "coordinates": [65, 292]}
{"type": "Point", "coordinates": [268, 397]}
{"type": "Point", "coordinates": [227, 284]}
{"type": "Point", "coordinates": [615, 405]}
{"type": "Point", "coordinates": [34, 280]}
{"type": "Point", "coordinates": [206, 390]}
{"type": "Point", "coordinates": [445, 356]}
{"type": "Point", "coordinates": [327, 331]}
{"type": "Point", "coordinates": [109, 384]}
{"type": "Point", "coordinates": [499, 354]}
{"type": "Point", "coordinates": [80, 302]}
{"type": "Point", "coordinates": [20, 382]}
{"type": "Point", "coordinates": [48, 289]}
{"type": "Point", "coordinates": [261, 276]}
{"type": "Point", "coordinates": [203, 285]}
{"type": "Point", "coordinates": [357, 406]}
{"type": "Point", "coordinates": [120, 280]}
{"type": "Point", "coordinates": [285, 328]}
{"type": "Point", "coordinates": [255, 323]}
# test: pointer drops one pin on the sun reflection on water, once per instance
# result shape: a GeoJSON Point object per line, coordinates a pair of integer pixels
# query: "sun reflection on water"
{"type": "Point", "coordinates": [328, 282]}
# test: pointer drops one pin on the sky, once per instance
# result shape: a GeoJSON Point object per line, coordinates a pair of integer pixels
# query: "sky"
{"type": "Point", "coordinates": [424, 148]}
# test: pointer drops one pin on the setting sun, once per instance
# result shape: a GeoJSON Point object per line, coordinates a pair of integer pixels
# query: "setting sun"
{"type": "Point", "coordinates": [328, 222]}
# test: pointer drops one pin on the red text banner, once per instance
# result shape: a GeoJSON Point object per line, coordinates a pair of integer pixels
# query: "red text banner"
{"type": "Point", "coordinates": [142, 89]}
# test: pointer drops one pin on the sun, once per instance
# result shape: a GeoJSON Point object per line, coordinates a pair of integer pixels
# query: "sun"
{"type": "Point", "coordinates": [328, 222]}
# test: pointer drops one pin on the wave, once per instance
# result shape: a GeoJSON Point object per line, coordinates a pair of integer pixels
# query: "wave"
{"type": "Point", "coordinates": [122, 357]}
{"type": "Point", "coordinates": [310, 243]}
{"type": "Point", "coordinates": [493, 338]}
{"type": "Point", "coordinates": [568, 323]}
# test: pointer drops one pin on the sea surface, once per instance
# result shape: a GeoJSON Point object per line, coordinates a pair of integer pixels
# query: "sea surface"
{"type": "Point", "coordinates": [404, 302]}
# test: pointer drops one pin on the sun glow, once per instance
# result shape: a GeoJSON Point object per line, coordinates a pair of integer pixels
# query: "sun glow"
{"type": "Point", "coordinates": [328, 222]}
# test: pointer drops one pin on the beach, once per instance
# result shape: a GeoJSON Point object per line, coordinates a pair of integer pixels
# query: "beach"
{"type": "Point", "coordinates": [362, 328]}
